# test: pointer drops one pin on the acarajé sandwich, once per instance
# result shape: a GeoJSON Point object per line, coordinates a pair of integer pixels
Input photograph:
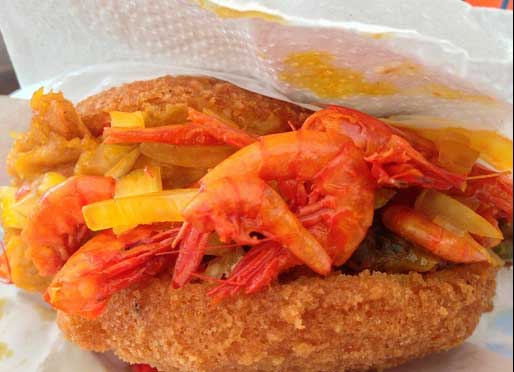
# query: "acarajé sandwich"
{"type": "Point", "coordinates": [189, 225]}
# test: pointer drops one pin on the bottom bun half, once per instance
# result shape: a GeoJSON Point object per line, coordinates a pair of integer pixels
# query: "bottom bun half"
{"type": "Point", "coordinates": [340, 323]}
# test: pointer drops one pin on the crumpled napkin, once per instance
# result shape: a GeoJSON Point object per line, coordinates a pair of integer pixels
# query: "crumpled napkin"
{"type": "Point", "coordinates": [386, 57]}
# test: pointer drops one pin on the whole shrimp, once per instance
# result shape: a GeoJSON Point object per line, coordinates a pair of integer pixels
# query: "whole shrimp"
{"type": "Point", "coordinates": [394, 162]}
{"type": "Point", "coordinates": [256, 208]}
{"type": "Point", "coordinates": [202, 130]}
{"type": "Point", "coordinates": [56, 227]}
{"type": "Point", "coordinates": [107, 264]}
{"type": "Point", "coordinates": [236, 202]}
{"type": "Point", "coordinates": [419, 229]}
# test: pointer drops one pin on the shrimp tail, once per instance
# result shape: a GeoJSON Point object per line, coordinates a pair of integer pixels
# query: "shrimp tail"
{"type": "Point", "coordinates": [259, 268]}
{"type": "Point", "coordinates": [192, 250]}
{"type": "Point", "coordinates": [107, 264]}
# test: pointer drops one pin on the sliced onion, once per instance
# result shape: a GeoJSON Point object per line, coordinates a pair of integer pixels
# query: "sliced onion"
{"type": "Point", "coordinates": [201, 157]}
{"type": "Point", "coordinates": [100, 160]}
{"type": "Point", "coordinates": [441, 207]}
{"type": "Point", "coordinates": [456, 156]}
{"type": "Point", "coordinates": [166, 206]}
{"type": "Point", "coordinates": [124, 165]}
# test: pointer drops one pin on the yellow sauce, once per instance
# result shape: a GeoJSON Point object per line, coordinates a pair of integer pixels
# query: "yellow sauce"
{"type": "Point", "coordinates": [400, 69]}
{"type": "Point", "coordinates": [225, 12]}
{"type": "Point", "coordinates": [317, 72]}
{"type": "Point", "coordinates": [5, 352]}
{"type": "Point", "coordinates": [444, 92]}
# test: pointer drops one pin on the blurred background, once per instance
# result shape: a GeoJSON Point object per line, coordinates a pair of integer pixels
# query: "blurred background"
{"type": "Point", "coordinates": [9, 83]}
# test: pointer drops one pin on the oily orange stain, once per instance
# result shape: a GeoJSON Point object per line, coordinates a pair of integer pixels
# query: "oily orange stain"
{"type": "Point", "coordinates": [317, 72]}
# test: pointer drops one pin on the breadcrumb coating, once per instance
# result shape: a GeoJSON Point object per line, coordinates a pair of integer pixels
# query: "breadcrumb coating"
{"type": "Point", "coordinates": [254, 112]}
{"type": "Point", "coordinates": [340, 323]}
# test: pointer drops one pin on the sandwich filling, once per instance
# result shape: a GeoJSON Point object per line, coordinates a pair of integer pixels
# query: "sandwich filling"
{"type": "Point", "coordinates": [94, 209]}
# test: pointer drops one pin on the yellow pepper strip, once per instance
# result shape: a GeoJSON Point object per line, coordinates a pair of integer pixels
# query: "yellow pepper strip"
{"type": "Point", "coordinates": [166, 206]}
{"type": "Point", "coordinates": [10, 218]}
{"type": "Point", "coordinates": [439, 207]}
{"type": "Point", "coordinates": [139, 182]}
{"type": "Point", "coordinates": [127, 119]}
{"type": "Point", "coordinates": [50, 180]}
{"type": "Point", "coordinates": [124, 165]}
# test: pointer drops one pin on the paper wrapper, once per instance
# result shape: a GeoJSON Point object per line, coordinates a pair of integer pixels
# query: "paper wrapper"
{"type": "Point", "coordinates": [442, 59]}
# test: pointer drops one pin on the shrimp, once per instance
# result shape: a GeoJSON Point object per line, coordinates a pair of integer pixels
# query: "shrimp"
{"type": "Point", "coordinates": [394, 162]}
{"type": "Point", "coordinates": [419, 229]}
{"type": "Point", "coordinates": [203, 130]}
{"type": "Point", "coordinates": [256, 208]}
{"type": "Point", "coordinates": [56, 228]}
{"type": "Point", "coordinates": [340, 192]}
{"type": "Point", "coordinates": [107, 264]}
{"type": "Point", "coordinates": [494, 193]}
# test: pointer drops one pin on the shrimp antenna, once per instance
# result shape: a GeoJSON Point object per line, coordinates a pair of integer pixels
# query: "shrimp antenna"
{"type": "Point", "coordinates": [168, 253]}
{"type": "Point", "coordinates": [488, 176]}
{"type": "Point", "coordinates": [292, 126]}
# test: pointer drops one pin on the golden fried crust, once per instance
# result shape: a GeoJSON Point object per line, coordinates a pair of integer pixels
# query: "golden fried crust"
{"type": "Point", "coordinates": [341, 323]}
{"type": "Point", "coordinates": [247, 109]}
